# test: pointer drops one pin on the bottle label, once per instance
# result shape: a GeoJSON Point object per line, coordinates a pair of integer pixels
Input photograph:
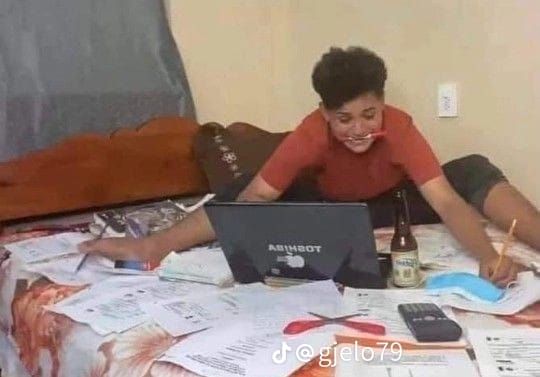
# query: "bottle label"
{"type": "Point", "coordinates": [405, 268]}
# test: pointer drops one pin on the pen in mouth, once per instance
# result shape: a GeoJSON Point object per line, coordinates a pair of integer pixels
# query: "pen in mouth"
{"type": "Point", "coordinates": [371, 135]}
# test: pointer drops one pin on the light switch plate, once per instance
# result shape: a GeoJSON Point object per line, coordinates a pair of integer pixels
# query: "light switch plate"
{"type": "Point", "coordinates": [447, 100]}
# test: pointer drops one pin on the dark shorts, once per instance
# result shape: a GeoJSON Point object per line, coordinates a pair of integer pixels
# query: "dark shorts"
{"type": "Point", "coordinates": [472, 177]}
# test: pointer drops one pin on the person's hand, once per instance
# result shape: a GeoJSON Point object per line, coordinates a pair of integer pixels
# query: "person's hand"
{"type": "Point", "coordinates": [506, 272]}
{"type": "Point", "coordinates": [124, 248]}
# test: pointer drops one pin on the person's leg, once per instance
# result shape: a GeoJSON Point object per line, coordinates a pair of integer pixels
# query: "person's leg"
{"type": "Point", "coordinates": [485, 187]}
{"type": "Point", "coordinates": [504, 203]}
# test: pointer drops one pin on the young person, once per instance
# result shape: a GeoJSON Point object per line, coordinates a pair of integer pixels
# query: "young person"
{"type": "Point", "coordinates": [337, 142]}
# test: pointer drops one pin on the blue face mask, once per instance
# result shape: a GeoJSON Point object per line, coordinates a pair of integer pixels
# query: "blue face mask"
{"type": "Point", "coordinates": [468, 285]}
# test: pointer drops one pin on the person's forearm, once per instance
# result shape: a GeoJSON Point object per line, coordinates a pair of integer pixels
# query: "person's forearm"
{"type": "Point", "coordinates": [193, 230]}
{"type": "Point", "coordinates": [465, 224]}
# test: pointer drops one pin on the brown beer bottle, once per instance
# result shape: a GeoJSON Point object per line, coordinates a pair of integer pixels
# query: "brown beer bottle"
{"type": "Point", "coordinates": [404, 249]}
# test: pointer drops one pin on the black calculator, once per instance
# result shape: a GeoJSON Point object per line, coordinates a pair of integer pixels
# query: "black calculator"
{"type": "Point", "coordinates": [428, 323]}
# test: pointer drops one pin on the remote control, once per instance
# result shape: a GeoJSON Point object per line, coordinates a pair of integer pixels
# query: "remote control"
{"type": "Point", "coordinates": [428, 323]}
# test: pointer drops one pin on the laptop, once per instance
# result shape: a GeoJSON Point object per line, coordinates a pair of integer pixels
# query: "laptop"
{"type": "Point", "coordinates": [297, 240]}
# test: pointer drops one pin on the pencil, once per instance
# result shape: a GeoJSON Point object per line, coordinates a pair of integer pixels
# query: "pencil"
{"type": "Point", "coordinates": [100, 235]}
{"type": "Point", "coordinates": [505, 246]}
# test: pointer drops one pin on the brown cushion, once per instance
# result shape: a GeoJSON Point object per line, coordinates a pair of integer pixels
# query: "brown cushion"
{"type": "Point", "coordinates": [228, 153]}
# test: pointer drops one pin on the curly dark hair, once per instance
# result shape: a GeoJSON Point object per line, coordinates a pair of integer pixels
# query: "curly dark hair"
{"type": "Point", "coordinates": [342, 75]}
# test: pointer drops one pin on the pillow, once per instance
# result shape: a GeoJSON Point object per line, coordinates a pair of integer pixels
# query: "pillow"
{"type": "Point", "coordinates": [228, 153]}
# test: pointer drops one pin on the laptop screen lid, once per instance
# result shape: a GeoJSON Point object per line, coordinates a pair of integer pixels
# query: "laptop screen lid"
{"type": "Point", "coordinates": [298, 240]}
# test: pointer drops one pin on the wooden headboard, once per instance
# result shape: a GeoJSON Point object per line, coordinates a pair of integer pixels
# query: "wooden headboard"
{"type": "Point", "coordinates": [153, 161]}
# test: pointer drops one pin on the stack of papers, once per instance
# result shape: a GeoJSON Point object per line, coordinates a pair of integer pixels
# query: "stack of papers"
{"type": "Point", "coordinates": [180, 316]}
{"type": "Point", "coordinates": [205, 265]}
{"type": "Point", "coordinates": [115, 305]}
{"type": "Point", "coordinates": [251, 342]}
{"type": "Point", "coordinates": [254, 347]}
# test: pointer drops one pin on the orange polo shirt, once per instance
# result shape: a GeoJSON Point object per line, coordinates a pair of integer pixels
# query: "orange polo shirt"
{"type": "Point", "coordinates": [346, 176]}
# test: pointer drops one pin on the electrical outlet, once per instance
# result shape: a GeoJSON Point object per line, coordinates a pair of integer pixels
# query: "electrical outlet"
{"type": "Point", "coordinates": [447, 100]}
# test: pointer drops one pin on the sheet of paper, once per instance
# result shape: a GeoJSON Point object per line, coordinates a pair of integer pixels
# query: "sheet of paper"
{"type": "Point", "coordinates": [380, 306]}
{"type": "Point", "coordinates": [322, 297]}
{"type": "Point", "coordinates": [436, 243]}
{"type": "Point", "coordinates": [423, 363]}
{"type": "Point", "coordinates": [62, 265]}
{"type": "Point", "coordinates": [439, 256]}
{"type": "Point", "coordinates": [516, 298]}
{"type": "Point", "coordinates": [63, 270]}
{"type": "Point", "coordinates": [250, 346]}
{"type": "Point", "coordinates": [45, 248]}
{"type": "Point", "coordinates": [437, 249]}
{"type": "Point", "coordinates": [112, 309]}
{"type": "Point", "coordinates": [204, 266]}
{"type": "Point", "coordinates": [197, 205]}
{"type": "Point", "coordinates": [183, 316]}
{"type": "Point", "coordinates": [508, 352]}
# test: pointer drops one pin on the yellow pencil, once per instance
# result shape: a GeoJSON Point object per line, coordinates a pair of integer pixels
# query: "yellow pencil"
{"type": "Point", "coordinates": [505, 246]}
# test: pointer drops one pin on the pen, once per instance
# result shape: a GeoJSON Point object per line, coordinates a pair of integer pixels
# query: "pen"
{"type": "Point", "coordinates": [100, 235]}
{"type": "Point", "coordinates": [505, 246]}
{"type": "Point", "coordinates": [371, 135]}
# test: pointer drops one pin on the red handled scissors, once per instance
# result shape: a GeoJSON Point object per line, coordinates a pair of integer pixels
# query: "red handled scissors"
{"type": "Point", "coordinates": [297, 327]}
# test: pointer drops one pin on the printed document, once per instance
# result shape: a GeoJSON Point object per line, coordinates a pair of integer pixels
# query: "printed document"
{"type": "Point", "coordinates": [410, 363]}
{"type": "Point", "coordinates": [63, 270]}
{"type": "Point", "coordinates": [45, 248]}
{"type": "Point", "coordinates": [252, 346]}
{"type": "Point", "coordinates": [249, 339]}
{"type": "Point", "coordinates": [115, 309]}
{"type": "Point", "coordinates": [437, 249]}
{"type": "Point", "coordinates": [380, 306]}
{"type": "Point", "coordinates": [181, 316]}
{"type": "Point", "coordinates": [508, 352]}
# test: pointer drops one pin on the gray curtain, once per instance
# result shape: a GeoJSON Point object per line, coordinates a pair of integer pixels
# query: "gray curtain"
{"type": "Point", "coordinates": [71, 66]}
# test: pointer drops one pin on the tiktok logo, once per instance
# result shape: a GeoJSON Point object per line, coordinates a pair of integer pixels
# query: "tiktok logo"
{"type": "Point", "coordinates": [280, 356]}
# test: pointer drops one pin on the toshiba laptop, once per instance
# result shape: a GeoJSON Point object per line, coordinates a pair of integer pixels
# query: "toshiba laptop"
{"type": "Point", "coordinates": [312, 241]}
